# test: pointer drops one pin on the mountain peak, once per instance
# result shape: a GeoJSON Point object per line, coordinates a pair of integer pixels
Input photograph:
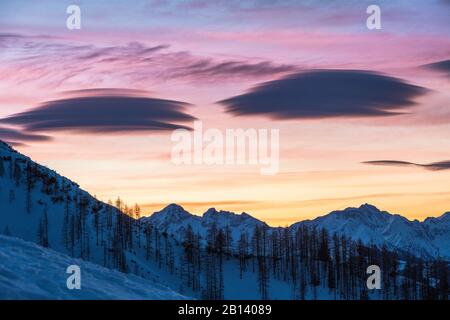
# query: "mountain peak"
{"type": "Point", "coordinates": [173, 207]}
{"type": "Point", "coordinates": [173, 213]}
{"type": "Point", "coordinates": [211, 211]}
{"type": "Point", "coordinates": [214, 213]}
{"type": "Point", "coordinates": [369, 207]}
{"type": "Point", "coordinates": [174, 210]}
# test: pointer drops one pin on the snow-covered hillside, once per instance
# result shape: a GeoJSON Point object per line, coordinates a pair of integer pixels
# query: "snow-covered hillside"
{"type": "Point", "coordinates": [29, 271]}
{"type": "Point", "coordinates": [38, 205]}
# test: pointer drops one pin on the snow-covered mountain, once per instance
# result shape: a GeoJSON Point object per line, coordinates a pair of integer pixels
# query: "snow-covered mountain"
{"type": "Point", "coordinates": [174, 220]}
{"type": "Point", "coordinates": [439, 231]}
{"type": "Point", "coordinates": [430, 238]}
{"type": "Point", "coordinates": [29, 271]}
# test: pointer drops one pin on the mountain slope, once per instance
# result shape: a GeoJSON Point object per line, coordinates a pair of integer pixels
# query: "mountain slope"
{"type": "Point", "coordinates": [29, 271]}
{"type": "Point", "coordinates": [38, 205]}
{"type": "Point", "coordinates": [372, 226]}
{"type": "Point", "coordinates": [439, 230]}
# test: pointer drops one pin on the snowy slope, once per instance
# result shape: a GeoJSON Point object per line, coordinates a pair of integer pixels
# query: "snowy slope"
{"type": "Point", "coordinates": [29, 271]}
{"type": "Point", "coordinates": [77, 224]}
{"type": "Point", "coordinates": [372, 226]}
{"type": "Point", "coordinates": [22, 211]}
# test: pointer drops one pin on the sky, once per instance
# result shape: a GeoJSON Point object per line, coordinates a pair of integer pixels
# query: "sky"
{"type": "Point", "coordinates": [363, 115]}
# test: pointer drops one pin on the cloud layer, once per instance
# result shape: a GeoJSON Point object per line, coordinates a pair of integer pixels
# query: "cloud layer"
{"type": "Point", "coordinates": [327, 93]}
{"type": "Point", "coordinates": [102, 113]}
{"type": "Point", "coordinates": [434, 166]}
{"type": "Point", "coordinates": [17, 137]}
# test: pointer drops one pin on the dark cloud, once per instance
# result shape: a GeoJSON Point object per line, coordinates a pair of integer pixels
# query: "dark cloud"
{"type": "Point", "coordinates": [327, 93]}
{"type": "Point", "coordinates": [100, 114]}
{"type": "Point", "coordinates": [443, 66]}
{"type": "Point", "coordinates": [18, 138]}
{"type": "Point", "coordinates": [441, 165]}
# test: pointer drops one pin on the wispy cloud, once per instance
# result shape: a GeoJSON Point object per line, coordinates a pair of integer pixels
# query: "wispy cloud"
{"type": "Point", "coordinates": [434, 166]}
{"type": "Point", "coordinates": [52, 62]}
{"type": "Point", "coordinates": [211, 69]}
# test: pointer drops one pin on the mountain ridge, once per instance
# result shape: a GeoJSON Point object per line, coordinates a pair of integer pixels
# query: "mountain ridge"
{"type": "Point", "coordinates": [445, 215]}
{"type": "Point", "coordinates": [366, 223]}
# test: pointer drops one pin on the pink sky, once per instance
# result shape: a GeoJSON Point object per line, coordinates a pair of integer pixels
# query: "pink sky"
{"type": "Point", "coordinates": [200, 61]}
